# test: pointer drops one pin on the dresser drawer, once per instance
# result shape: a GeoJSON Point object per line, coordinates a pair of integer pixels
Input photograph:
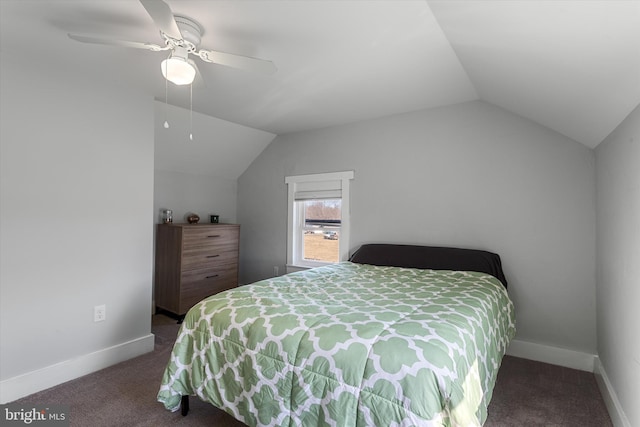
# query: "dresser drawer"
{"type": "Point", "coordinates": [229, 269]}
{"type": "Point", "coordinates": [206, 257]}
{"type": "Point", "coordinates": [199, 284]}
{"type": "Point", "coordinates": [205, 237]}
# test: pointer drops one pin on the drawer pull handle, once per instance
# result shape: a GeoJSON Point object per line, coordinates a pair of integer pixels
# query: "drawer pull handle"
{"type": "Point", "coordinates": [213, 256]}
{"type": "Point", "coordinates": [215, 235]}
{"type": "Point", "coordinates": [211, 277]}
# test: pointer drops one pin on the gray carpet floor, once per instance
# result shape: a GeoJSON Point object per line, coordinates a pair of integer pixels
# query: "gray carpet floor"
{"type": "Point", "coordinates": [527, 393]}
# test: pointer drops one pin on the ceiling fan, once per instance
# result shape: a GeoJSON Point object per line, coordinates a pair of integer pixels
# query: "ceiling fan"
{"type": "Point", "coordinates": [181, 37]}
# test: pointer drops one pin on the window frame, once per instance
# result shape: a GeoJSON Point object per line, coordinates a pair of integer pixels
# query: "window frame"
{"type": "Point", "coordinates": [322, 182]}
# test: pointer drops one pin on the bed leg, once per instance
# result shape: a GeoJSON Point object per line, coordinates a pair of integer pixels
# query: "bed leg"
{"type": "Point", "coordinates": [184, 406]}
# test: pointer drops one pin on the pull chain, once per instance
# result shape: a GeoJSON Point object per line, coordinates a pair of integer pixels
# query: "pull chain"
{"type": "Point", "coordinates": [191, 112]}
{"type": "Point", "coordinates": [166, 97]}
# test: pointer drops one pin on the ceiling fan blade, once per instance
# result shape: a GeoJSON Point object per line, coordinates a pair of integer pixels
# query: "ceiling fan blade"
{"type": "Point", "coordinates": [238, 61]}
{"type": "Point", "coordinates": [199, 76]}
{"type": "Point", "coordinates": [112, 42]}
{"type": "Point", "coordinates": [162, 15]}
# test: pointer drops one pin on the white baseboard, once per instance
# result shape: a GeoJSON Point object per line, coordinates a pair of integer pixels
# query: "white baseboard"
{"type": "Point", "coordinates": [618, 417]}
{"type": "Point", "coordinates": [553, 355]}
{"type": "Point", "coordinates": [576, 360]}
{"type": "Point", "coordinates": [41, 379]}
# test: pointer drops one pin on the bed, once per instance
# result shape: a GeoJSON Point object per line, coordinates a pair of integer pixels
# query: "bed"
{"type": "Point", "coordinates": [398, 335]}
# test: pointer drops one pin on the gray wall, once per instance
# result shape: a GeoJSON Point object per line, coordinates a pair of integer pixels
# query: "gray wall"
{"type": "Point", "coordinates": [77, 189]}
{"type": "Point", "coordinates": [468, 175]}
{"type": "Point", "coordinates": [200, 175]}
{"type": "Point", "coordinates": [618, 256]}
{"type": "Point", "coordinates": [189, 193]}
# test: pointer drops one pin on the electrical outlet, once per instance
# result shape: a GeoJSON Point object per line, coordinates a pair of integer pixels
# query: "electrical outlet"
{"type": "Point", "coordinates": [100, 313]}
{"type": "Point", "coordinates": [275, 270]}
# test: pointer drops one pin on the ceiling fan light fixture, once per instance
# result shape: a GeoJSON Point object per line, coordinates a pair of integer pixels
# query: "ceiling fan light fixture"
{"type": "Point", "coordinates": [177, 68]}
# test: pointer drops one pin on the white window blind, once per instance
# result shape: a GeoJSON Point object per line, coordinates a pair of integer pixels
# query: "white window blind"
{"type": "Point", "coordinates": [318, 195]}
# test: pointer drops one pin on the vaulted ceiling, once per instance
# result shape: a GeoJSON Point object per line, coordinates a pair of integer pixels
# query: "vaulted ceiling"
{"type": "Point", "coordinates": [573, 66]}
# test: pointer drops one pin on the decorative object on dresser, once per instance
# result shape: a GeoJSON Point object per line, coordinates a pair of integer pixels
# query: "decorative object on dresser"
{"type": "Point", "coordinates": [194, 261]}
{"type": "Point", "coordinates": [193, 218]}
{"type": "Point", "coordinates": [167, 216]}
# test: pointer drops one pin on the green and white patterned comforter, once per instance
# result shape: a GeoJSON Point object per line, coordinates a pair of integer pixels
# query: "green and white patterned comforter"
{"type": "Point", "coordinates": [346, 345]}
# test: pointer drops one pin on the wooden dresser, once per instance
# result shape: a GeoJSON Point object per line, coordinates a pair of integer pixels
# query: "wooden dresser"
{"type": "Point", "coordinates": [194, 261]}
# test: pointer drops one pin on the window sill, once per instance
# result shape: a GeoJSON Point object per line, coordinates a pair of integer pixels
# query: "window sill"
{"type": "Point", "coordinates": [293, 268]}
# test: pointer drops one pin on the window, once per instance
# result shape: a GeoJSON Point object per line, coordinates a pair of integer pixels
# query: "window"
{"type": "Point", "coordinates": [318, 219]}
{"type": "Point", "coordinates": [321, 222]}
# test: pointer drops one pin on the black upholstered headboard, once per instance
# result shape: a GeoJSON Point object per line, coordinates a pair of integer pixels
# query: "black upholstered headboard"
{"type": "Point", "coordinates": [430, 257]}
